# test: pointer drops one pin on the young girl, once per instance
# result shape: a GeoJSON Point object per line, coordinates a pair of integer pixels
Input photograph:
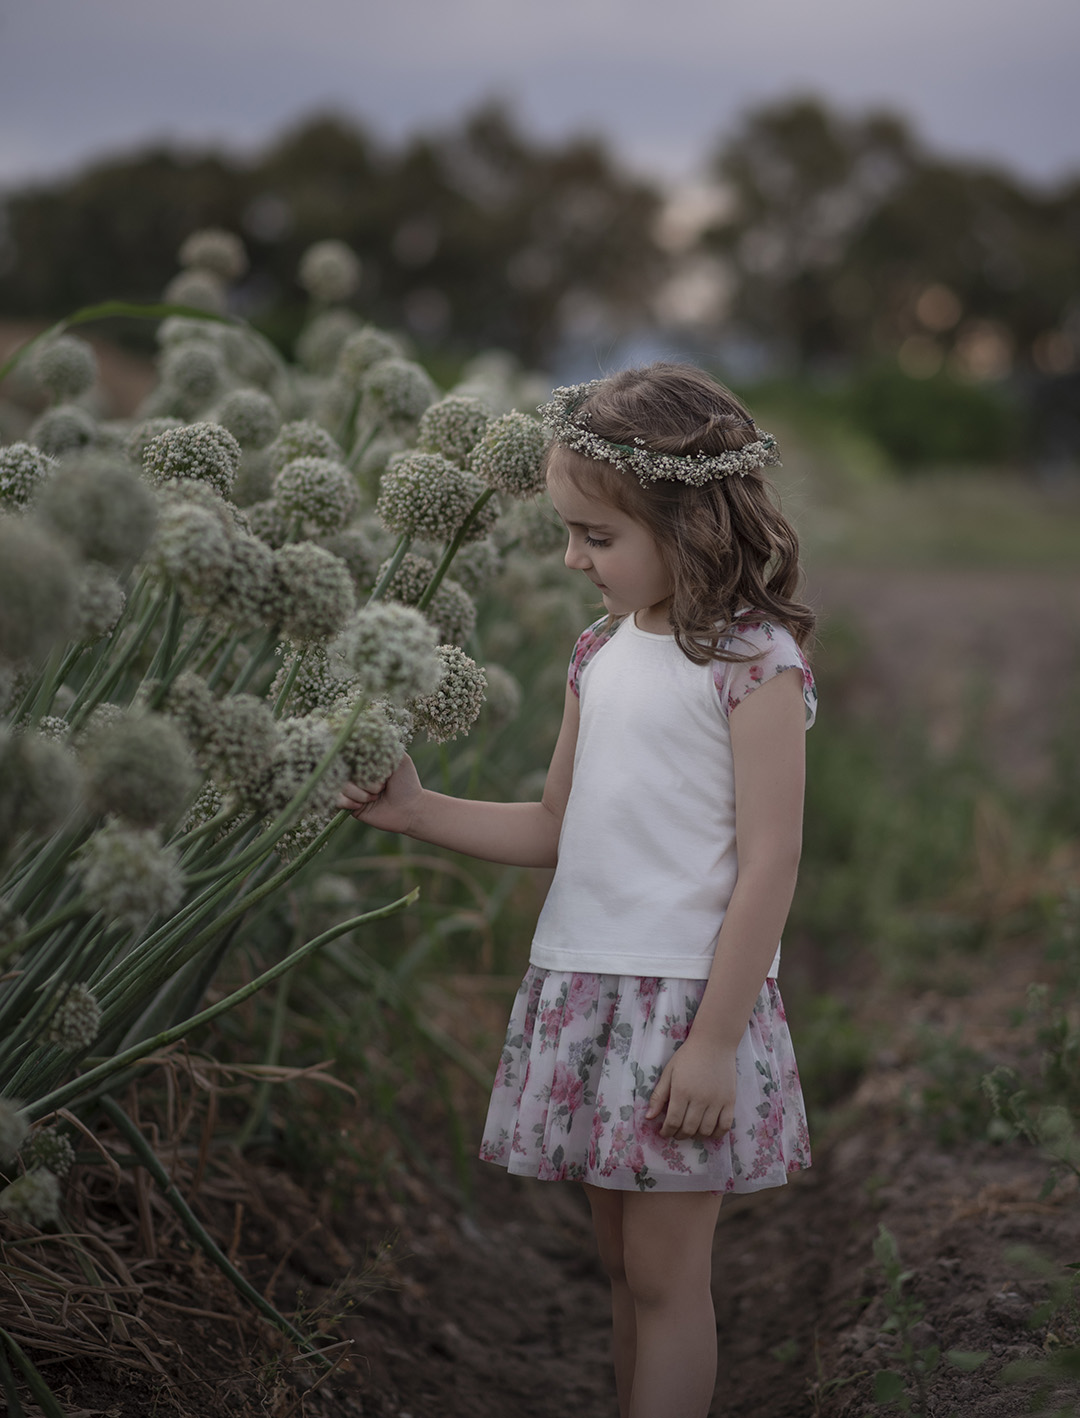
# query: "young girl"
{"type": "Point", "coordinates": [647, 1054]}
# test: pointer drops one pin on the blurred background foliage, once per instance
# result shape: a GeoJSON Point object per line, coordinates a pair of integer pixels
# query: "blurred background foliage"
{"type": "Point", "coordinates": [931, 302]}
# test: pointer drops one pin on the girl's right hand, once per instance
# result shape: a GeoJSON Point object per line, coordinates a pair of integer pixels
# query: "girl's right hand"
{"type": "Point", "coordinates": [390, 806]}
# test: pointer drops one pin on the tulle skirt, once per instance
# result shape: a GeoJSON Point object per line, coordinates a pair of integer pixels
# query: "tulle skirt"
{"type": "Point", "coordinates": [582, 1055]}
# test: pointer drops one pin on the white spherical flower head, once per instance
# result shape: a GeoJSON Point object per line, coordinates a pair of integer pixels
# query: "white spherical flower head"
{"type": "Point", "coordinates": [454, 707]}
{"type": "Point", "coordinates": [391, 649]}
{"type": "Point", "coordinates": [510, 454]}
{"type": "Point", "coordinates": [178, 329]}
{"type": "Point", "coordinates": [452, 612]}
{"type": "Point", "coordinates": [453, 426]}
{"type": "Point", "coordinates": [39, 785]}
{"type": "Point", "coordinates": [144, 433]}
{"type": "Point", "coordinates": [318, 492]}
{"type": "Point", "coordinates": [51, 1149]}
{"type": "Point", "coordinates": [191, 705]}
{"type": "Point", "coordinates": [359, 553]}
{"type": "Point", "coordinates": [37, 591]}
{"type": "Point", "coordinates": [329, 271]}
{"type": "Point", "coordinates": [203, 452]}
{"type": "Point", "coordinates": [321, 340]}
{"type": "Point", "coordinates": [477, 565]}
{"type": "Point", "coordinates": [251, 416]}
{"type": "Point", "coordinates": [100, 602]}
{"type": "Point", "coordinates": [199, 289]}
{"type": "Point", "coordinates": [268, 522]}
{"type": "Point", "coordinates": [363, 350]}
{"type": "Point", "coordinates": [212, 249]}
{"type": "Point", "coordinates": [409, 581]}
{"type": "Point", "coordinates": [33, 1199]}
{"type": "Point", "coordinates": [396, 391]}
{"type": "Point", "coordinates": [62, 430]}
{"type": "Point", "coordinates": [303, 438]}
{"type": "Point", "coordinates": [425, 495]}
{"type": "Point", "coordinates": [102, 508]}
{"type": "Point", "coordinates": [303, 745]}
{"type": "Point", "coordinates": [502, 701]}
{"type": "Point", "coordinates": [23, 469]}
{"type": "Point", "coordinates": [208, 804]}
{"type": "Point", "coordinates": [75, 1020]}
{"type": "Point", "coordinates": [313, 593]}
{"type": "Point", "coordinates": [194, 370]}
{"type": "Point", "coordinates": [193, 551]}
{"type": "Point", "coordinates": [243, 738]}
{"type": "Point", "coordinates": [13, 1130]}
{"type": "Point", "coordinates": [247, 598]}
{"type": "Point", "coordinates": [375, 745]}
{"type": "Point", "coordinates": [320, 682]}
{"type": "Point", "coordinates": [139, 769]}
{"type": "Point", "coordinates": [66, 366]}
{"type": "Point", "coordinates": [129, 876]}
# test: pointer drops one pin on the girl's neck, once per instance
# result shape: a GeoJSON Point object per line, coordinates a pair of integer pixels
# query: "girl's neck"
{"type": "Point", "coordinates": [655, 620]}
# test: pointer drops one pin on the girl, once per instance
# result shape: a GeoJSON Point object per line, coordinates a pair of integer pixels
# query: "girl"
{"type": "Point", "coordinates": [647, 1054]}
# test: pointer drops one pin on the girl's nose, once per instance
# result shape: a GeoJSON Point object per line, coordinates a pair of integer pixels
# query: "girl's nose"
{"type": "Point", "coordinates": [577, 556]}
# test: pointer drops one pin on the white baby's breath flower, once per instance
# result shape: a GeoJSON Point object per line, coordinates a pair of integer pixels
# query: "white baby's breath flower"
{"type": "Point", "coordinates": [251, 416]}
{"type": "Point", "coordinates": [510, 454]}
{"type": "Point", "coordinates": [425, 495]}
{"type": "Point", "coordinates": [37, 591]}
{"type": "Point", "coordinates": [33, 1199]}
{"type": "Point", "coordinates": [203, 452]}
{"type": "Point", "coordinates": [453, 426]}
{"type": "Point", "coordinates": [215, 250]}
{"type": "Point", "coordinates": [391, 650]}
{"type": "Point", "coordinates": [62, 430]}
{"type": "Point", "coordinates": [65, 365]}
{"type": "Point", "coordinates": [313, 593]}
{"type": "Point", "coordinates": [329, 271]}
{"type": "Point", "coordinates": [454, 707]}
{"type": "Point", "coordinates": [23, 469]}
{"type": "Point", "coordinates": [302, 438]}
{"type": "Point", "coordinates": [128, 875]}
{"type": "Point", "coordinates": [75, 1020]}
{"type": "Point", "coordinates": [318, 492]}
{"type": "Point", "coordinates": [139, 769]}
{"type": "Point", "coordinates": [102, 508]}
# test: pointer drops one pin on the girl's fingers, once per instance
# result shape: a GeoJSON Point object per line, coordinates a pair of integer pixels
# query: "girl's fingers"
{"type": "Point", "coordinates": [660, 1095]}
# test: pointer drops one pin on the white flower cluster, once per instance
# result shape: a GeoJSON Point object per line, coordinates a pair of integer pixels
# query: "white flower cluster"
{"type": "Point", "coordinates": [321, 340]}
{"type": "Point", "coordinates": [392, 650]}
{"type": "Point", "coordinates": [193, 550]}
{"type": "Point", "coordinates": [62, 430]}
{"type": "Point", "coordinates": [100, 603]}
{"type": "Point", "coordinates": [453, 426]}
{"type": "Point", "coordinates": [396, 392]}
{"type": "Point", "coordinates": [33, 1199]}
{"type": "Point", "coordinates": [510, 454]}
{"type": "Point", "coordinates": [240, 747]}
{"type": "Point", "coordinates": [203, 452]}
{"type": "Point", "coordinates": [219, 252]}
{"type": "Point", "coordinates": [13, 1130]}
{"type": "Point", "coordinates": [65, 365]}
{"type": "Point", "coordinates": [193, 373]}
{"type": "Point", "coordinates": [363, 350]}
{"type": "Point", "coordinates": [138, 768]}
{"type": "Point", "coordinates": [318, 492]}
{"type": "Point", "coordinates": [303, 438]}
{"type": "Point", "coordinates": [75, 1020]}
{"type": "Point", "coordinates": [200, 289]}
{"type": "Point", "coordinates": [313, 593]}
{"type": "Point", "coordinates": [477, 564]}
{"type": "Point", "coordinates": [425, 495]}
{"type": "Point", "coordinates": [375, 745]}
{"type": "Point", "coordinates": [101, 508]}
{"type": "Point", "coordinates": [52, 1149]}
{"type": "Point", "coordinates": [455, 706]}
{"type": "Point", "coordinates": [23, 469]}
{"type": "Point", "coordinates": [329, 271]}
{"type": "Point", "coordinates": [129, 876]}
{"type": "Point", "coordinates": [534, 525]}
{"type": "Point", "coordinates": [451, 610]}
{"type": "Point", "coordinates": [359, 553]}
{"type": "Point", "coordinates": [320, 682]}
{"type": "Point", "coordinates": [303, 744]}
{"type": "Point", "coordinates": [37, 591]}
{"type": "Point", "coordinates": [144, 433]}
{"type": "Point", "coordinates": [502, 702]}
{"type": "Point", "coordinates": [251, 416]}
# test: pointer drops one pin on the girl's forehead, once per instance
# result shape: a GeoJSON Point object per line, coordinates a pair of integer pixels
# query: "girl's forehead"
{"type": "Point", "coordinates": [572, 502]}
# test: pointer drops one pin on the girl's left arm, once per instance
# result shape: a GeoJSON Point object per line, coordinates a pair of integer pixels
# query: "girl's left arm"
{"type": "Point", "coordinates": [768, 735]}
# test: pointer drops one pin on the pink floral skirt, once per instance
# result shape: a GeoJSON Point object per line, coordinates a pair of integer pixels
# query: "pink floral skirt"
{"type": "Point", "coordinates": [582, 1055]}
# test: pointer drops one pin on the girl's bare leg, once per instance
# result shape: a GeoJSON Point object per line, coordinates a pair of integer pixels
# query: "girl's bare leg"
{"type": "Point", "coordinates": [667, 1256]}
{"type": "Point", "coordinates": [607, 1211]}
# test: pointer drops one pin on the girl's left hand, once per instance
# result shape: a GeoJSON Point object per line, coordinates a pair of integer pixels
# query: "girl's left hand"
{"type": "Point", "coordinates": [697, 1089]}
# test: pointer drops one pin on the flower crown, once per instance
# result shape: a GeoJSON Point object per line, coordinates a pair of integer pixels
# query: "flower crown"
{"type": "Point", "coordinates": [566, 422]}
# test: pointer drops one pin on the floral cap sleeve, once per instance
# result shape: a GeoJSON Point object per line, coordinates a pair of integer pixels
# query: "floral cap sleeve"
{"type": "Point", "coordinates": [776, 651]}
{"type": "Point", "coordinates": [588, 642]}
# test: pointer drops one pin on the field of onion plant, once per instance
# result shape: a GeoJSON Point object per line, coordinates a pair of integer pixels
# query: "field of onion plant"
{"type": "Point", "coordinates": [211, 616]}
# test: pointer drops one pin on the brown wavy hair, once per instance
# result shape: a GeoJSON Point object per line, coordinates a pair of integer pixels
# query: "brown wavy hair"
{"type": "Point", "coordinates": [727, 545]}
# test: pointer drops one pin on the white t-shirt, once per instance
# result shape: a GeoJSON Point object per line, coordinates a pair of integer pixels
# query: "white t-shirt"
{"type": "Point", "coordinates": [647, 858]}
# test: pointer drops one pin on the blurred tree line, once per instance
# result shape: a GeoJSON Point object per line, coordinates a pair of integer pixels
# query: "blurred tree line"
{"type": "Point", "coordinates": [851, 255]}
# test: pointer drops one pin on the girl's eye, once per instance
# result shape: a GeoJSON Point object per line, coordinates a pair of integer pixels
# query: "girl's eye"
{"type": "Point", "coordinates": [594, 542]}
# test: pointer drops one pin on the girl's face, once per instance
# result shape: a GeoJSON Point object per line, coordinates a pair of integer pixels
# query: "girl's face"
{"type": "Point", "coordinates": [618, 554]}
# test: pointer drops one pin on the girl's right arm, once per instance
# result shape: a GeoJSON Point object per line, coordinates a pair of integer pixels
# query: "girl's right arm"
{"type": "Point", "coordinates": [517, 834]}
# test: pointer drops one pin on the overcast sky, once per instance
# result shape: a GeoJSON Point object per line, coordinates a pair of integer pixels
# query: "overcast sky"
{"type": "Point", "coordinates": [989, 79]}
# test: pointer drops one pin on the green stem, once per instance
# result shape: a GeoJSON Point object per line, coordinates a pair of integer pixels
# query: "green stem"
{"type": "Point", "coordinates": [452, 550]}
{"type": "Point", "coordinates": [260, 1105]}
{"type": "Point", "coordinates": [404, 543]}
{"type": "Point", "coordinates": [224, 661]}
{"type": "Point", "coordinates": [254, 662]}
{"type": "Point", "coordinates": [43, 1395]}
{"type": "Point", "coordinates": [110, 674]}
{"type": "Point", "coordinates": [166, 650]}
{"type": "Point", "coordinates": [62, 1096]}
{"type": "Point", "coordinates": [290, 679]}
{"type": "Point", "coordinates": [198, 1234]}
